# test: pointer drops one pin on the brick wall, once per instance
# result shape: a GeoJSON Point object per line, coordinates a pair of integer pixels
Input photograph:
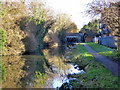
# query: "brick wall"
{"type": "Point", "coordinates": [88, 39]}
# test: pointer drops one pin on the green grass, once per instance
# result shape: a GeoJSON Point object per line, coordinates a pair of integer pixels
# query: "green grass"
{"type": "Point", "coordinates": [80, 53]}
{"type": "Point", "coordinates": [103, 50]}
{"type": "Point", "coordinates": [99, 77]}
{"type": "Point", "coordinates": [96, 75]}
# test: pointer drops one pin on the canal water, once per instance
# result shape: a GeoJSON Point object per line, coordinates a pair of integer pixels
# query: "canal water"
{"type": "Point", "coordinates": [37, 71]}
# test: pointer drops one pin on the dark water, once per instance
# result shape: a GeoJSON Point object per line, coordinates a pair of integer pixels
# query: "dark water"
{"type": "Point", "coordinates": [37, 71]}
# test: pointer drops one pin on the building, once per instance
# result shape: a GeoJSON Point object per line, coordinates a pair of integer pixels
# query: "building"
{"type": "Point", "coordinates": [106, 38]}
{"type": "Point", "coordinates": [73, 38]}
{"type": "Point", "coordinates": [88, 38]}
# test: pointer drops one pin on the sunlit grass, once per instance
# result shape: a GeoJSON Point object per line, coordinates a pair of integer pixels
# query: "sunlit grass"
{"type": "Point", "coordinates": [87, 55]}
{"type": "Point", "coordinates": [80, 54]}
{"type": "Point", "coordinates": [96, 76]}
{"type": "Point", "coordinates": [103, 50]}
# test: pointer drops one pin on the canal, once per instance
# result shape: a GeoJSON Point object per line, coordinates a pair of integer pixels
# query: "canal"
{"type": "Point", "coordinates": [37, 71]}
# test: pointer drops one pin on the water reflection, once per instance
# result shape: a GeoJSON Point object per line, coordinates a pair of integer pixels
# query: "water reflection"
{"type": "Point", "coordinates": [35, 71]}
{"type": "Point", "coordinates": [13, 65]}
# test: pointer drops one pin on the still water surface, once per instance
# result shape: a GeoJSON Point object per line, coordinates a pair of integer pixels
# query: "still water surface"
{"type": "Point", "coordinates": [37, 71]}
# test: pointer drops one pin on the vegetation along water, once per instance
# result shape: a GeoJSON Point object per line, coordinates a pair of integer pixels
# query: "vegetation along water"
{"type": "Point", "coordinates": [43, 49]}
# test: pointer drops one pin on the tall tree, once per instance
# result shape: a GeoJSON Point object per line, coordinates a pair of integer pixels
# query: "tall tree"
{"type": "Point", "coordinates": [96, 6]}
{"type": "Point", "coordinates": [92, 28]}
{"type": "Point", "coordinates": [63, 24]}
{"type": "Point", "coordinates": [109, 10]}
{"type": "Point", "coordinates": [12, 12]}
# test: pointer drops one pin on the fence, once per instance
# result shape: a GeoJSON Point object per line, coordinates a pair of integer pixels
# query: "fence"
{"type": "Point", "coordinates": [107, 41]}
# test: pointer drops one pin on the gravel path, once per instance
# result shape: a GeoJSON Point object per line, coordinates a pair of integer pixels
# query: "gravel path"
{"type": "Point", "coordinates": [109, 64]}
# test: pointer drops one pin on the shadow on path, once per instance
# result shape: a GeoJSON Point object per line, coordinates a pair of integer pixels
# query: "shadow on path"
{"type": "Point", "coordinates": [109, 64]}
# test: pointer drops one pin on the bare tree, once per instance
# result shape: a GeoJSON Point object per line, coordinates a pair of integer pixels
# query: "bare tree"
{"type": "Point", "coordinates": [96, 6]}
{"type": "Point", "coordinates": [109, 10]}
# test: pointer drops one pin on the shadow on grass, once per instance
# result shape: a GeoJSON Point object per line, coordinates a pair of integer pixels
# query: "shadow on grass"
{"type": "Point", "coordinates": [96, 76]}
{"type": "Point", "coordinates": [105, 51]}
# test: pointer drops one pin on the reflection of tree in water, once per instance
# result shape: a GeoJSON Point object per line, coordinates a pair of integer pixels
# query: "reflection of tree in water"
{"type": "Point", "coordinates": [36, 70]}
{"type": "Point", "coordinates": [60, 68]}
{"type": "Point", "coordinates": [33, 70]}
{"type": "Point", "coordinates": [24, 71]}
{"type": "Point", "coordinates": [56, 60]}
{"type": "Point", "coordinates": [14, 71]}
{"type": "Point", "coordinates": [57, 51]}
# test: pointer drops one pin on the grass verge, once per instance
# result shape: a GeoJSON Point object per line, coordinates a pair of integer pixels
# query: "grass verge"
{"type": "Point", "coordinates": [103, 50]}
{"type": "Point", "coordinates": [96, 75]}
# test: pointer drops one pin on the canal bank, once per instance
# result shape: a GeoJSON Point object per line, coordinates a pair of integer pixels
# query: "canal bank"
{"type": "Point", "coordinates": [109, 64]}
{"type": "Point", "coordinates": [75, 68]}
{"type": "Point", "coordinates": [37, 71]}
{"type": "Point", "coordinates": [96, 75]}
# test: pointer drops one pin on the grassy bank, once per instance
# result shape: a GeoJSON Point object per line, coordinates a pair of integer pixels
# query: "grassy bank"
{"type": "Point", "coordinates": [103, 50]}
{"type": "Point", "coordinates": [96, 75]}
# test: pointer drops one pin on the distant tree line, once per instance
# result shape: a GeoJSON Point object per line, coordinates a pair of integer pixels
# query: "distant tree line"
{"type": "Point", "coordinates": [91, 29]}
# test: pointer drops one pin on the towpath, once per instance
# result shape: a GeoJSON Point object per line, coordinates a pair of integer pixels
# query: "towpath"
{"type": "Point", "coordinates": [109, 64]}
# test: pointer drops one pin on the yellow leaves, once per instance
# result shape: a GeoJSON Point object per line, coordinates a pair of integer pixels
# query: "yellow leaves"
{"type": "Point", "coordinates": [110, 17]}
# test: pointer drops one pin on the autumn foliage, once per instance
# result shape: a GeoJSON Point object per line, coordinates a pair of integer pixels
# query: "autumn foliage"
{"type": "Point", "coordinates": [24, 27]}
